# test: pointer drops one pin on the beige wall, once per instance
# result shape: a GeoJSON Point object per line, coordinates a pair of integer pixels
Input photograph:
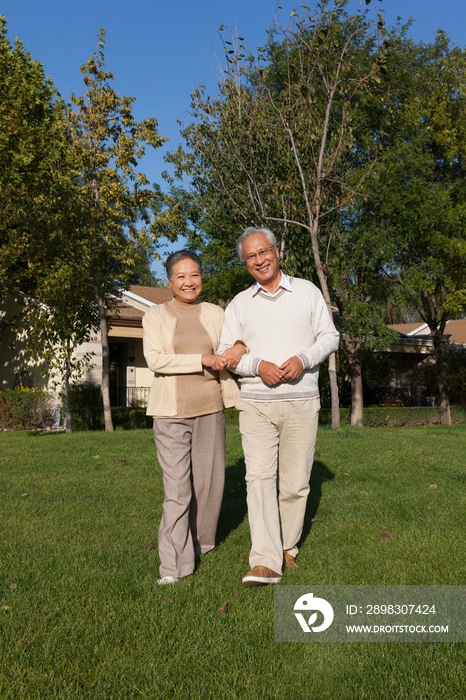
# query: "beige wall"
{"type": "Point", "coordinates": [16, 362]}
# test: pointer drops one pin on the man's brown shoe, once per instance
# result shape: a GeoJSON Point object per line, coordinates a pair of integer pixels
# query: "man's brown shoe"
{"type": "Point", "coordinates": [261, 576]}
{"type": "Point", "coordinates": [289, 561]}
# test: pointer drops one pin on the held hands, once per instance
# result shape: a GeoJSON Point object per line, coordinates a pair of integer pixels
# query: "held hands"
{"type": "Point", "coordinates": [228, 360]}
{"type": "Point", "coordinates": [233, 355]}
{"type": "Point", "coordinates": [272, 375]}
{"type": "Point", "coordinates": [215, 362]}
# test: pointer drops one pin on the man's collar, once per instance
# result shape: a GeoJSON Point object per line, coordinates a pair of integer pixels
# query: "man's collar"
{"type": "Point", "coordinates": [283, 284]}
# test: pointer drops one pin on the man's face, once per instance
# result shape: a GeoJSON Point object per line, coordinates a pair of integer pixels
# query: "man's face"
{"type": "Point", "coordinates": [265, 265]}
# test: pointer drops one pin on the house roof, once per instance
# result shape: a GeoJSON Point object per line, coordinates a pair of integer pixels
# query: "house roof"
{"type": "Point", "coordinates": [135, 301]}
{"type": "Point", "coordinates": [456, 329]}
{"type": "Point", "coordinates": [155, 295]}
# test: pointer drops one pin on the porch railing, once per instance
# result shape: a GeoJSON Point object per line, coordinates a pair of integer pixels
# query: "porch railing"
{"type": "Point", "coordinates": [129, 396]}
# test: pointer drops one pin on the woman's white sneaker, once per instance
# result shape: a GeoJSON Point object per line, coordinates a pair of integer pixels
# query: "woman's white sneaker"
{"type": "Point", "coordinates": [165, 580]}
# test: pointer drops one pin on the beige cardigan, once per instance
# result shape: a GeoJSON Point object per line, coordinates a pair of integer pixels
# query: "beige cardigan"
{"type": "Point", "coordinates": [159, 331]}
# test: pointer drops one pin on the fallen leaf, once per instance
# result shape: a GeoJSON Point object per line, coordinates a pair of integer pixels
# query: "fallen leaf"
{"type": "Point", "coordinates": [319, 563]}
{"type": "Point", "coordinates": [23, 495]}
{"type": "Point", "coordinates": [13, 586]}
{"type": "Point", "coordinates": [345, 473]}
{"type": "Point", "coordinates": [387, 536]}
{"type": "Point", "coordinates": [23, 640]}
{"type": "Point", "coordinates": [6, 607]}
{"type": "Point", "coordinates": [150, 548]}
{"type": "Point", "coordinates": [433, 486]}
{"type": "Point", "coordinates": [223, 609]}
{"type": "Point", "coordinates": [314, 520]}
{"type": "Point", "coordinates": [62, 500]}
{"type": "Point", "coordinates": [96, 456]}
{"type": "Point", "coordinates": [167, 600]}
{"type": "Point", "coordinates": [122, 459]}
{"type": "Point", "coordinates": [36, 488]}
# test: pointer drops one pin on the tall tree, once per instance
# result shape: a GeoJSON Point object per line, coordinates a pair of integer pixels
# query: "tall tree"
{"type": "Point", "coordinates": [273, 146]}
{"type": "Point", "coordinates": [417, 193]}
{"type": "Point", "coordinates": [33, 146]}
{"type": "Point", "coordinates": [115, 201]}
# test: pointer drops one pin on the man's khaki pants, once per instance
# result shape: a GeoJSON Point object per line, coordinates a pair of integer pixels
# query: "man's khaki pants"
{"type": "Point", "coordinates": [278, 443]}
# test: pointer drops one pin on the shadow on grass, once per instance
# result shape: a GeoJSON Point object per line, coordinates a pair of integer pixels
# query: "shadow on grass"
{"type": "Point", "coordinates": [45, 433]}
{"type": "Point", "coordinates": [320, 473]}
{"type": "Point", "coordinates": [234, 506]}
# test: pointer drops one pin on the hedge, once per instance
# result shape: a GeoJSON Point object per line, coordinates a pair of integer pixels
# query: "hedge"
{"type": "Point", "coordinates": [393, 416]}
{"type": "Point", "coordinates": [374, 416]}
{"type": "Point", "coordinates": [23, 408]}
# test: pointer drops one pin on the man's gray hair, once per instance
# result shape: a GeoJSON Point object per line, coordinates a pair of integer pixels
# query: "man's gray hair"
{"type": "Point", "coordinates": [249, 232]}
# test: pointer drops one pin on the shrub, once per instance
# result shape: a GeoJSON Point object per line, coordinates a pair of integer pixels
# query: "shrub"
{"type": "Point", "coordinates": [24, 408]}
{"type": "Point", "coordinates": [86, 406]}
{"type": "Point", "coordinates": [393, 416]}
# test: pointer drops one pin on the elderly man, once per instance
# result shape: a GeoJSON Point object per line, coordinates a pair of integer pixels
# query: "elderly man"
{"type": "Point", "coordinates": [287, 329]}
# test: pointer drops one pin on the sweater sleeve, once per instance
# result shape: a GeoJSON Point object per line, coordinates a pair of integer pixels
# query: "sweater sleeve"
{"type": "Point", "coordinates": [326, 336]}
{"type": "Point", "coordinates": [232, 331]}
{"type": "Point", "coordinates": [155, 351]}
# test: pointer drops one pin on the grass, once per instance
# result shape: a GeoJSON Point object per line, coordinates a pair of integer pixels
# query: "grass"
{"type": "Point", "coordinates": [81, 615]}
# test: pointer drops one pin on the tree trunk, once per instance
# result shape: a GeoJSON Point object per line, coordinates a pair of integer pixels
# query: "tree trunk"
{"type": "Point", "coordinates": [332, 372]}
{"type": "Point", "coordinates": [439, 354]}
{"type": "Point", "coordinates": [353, 348]}
{"type": "Point", "coordinates": [66, 391]}
{"type": "Point", "coordinates": [334, 398]}
{"type": "Point", "coordinates": [105, 361]}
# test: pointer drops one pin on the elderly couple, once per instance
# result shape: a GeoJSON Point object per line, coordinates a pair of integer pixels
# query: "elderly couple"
{"type": "Point", "coordinates": [273, 336]}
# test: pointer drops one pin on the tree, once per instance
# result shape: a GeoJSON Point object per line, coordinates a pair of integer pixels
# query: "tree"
{"type": "Point", "coordinates": [59, 319]}
{"type": "Point", "coordinates": [114, 202]}
{"type": "Point", "coordinates": [32, 148]}
{"type": "Point", "coordinates": [274, 146]}
{"type": "Point", "coordinates": [418, 190]}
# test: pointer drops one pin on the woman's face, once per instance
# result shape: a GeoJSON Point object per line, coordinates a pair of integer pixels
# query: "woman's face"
{"type": "Point", "coordinates": [186, 282]}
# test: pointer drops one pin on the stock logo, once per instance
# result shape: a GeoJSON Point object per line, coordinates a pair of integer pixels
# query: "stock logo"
{"type": "Point", "coordinates": [307, 603]}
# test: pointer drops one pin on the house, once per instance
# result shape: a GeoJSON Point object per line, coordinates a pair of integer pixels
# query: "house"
{"type": "Point", "coordinates": [414, 347]}
{"type": "Point", "coordinates": [130, 379]}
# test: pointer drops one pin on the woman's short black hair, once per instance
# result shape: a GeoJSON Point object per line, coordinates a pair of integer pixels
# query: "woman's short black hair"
{"type": "Point", "coordinates": [179, 255]}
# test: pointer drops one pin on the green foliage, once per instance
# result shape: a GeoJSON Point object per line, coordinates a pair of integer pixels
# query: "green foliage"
{"type": "Point", "coordinates": [116, 201]}
{"type": "Point", "coordinates": [456, 375]}
{"type": "Point", "coordinates": [23, 408]}
{"type": "Point", "coordinates": [396, 417]}
{"type": "Point", "coordinates": [141, 272]}
{"type": "Point", "coordinates": [87, 410]}
{"type": "Point", "coordinates": [378, 371]}
{"type": "Point", "coordinates": [85, 399]}
{"type": "Point", "coordinates": [33, 148]}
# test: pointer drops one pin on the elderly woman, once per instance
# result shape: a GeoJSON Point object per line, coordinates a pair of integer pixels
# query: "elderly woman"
{"type": "Point", "coordinates": [191, 387]}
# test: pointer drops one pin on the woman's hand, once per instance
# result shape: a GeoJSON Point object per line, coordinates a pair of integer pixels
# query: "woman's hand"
{"type": "Point", "coordinates": [234, 354]}
{"type": "Point", "coordinates": [215, 362]}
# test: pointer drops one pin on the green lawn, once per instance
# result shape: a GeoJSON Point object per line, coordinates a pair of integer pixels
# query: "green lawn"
{"type": "Point", "coordinates": [82, 617]}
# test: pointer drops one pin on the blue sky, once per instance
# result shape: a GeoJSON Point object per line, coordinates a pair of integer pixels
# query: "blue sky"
{"type": "Point", "coordinates": [161, 50]}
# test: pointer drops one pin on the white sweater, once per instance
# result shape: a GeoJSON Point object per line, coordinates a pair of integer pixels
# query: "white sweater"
{"type": "Point", "coordinates": [276, 327]}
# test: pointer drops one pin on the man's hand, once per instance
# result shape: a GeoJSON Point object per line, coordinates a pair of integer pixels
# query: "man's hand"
{"type": "Point", "coordinates": [215, 362]}
{"type": "Point", "coordinates": [291, 369]}
{"type": "Point", "coordinates": [233, 355]}
{"type": "Point", "coordinates": [270, 373]}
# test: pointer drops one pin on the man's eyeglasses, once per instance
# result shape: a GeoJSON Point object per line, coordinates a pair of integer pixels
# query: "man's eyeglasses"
{"type": "Point", "coordinates": [260, 254]}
